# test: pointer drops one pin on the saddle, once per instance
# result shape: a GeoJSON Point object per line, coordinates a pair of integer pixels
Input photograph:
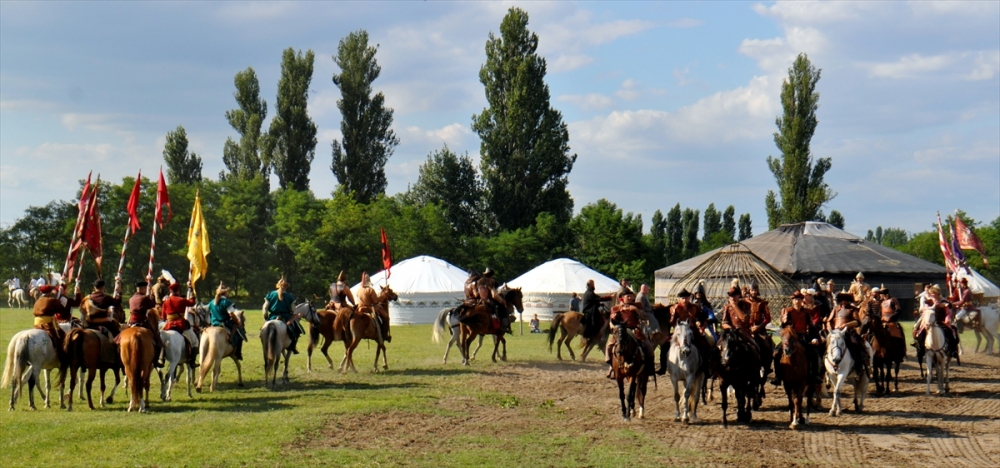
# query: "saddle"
{"type": "Point", "coordinates": [109, 348]}
{"type": "Point", "coordinates": [895, 331]}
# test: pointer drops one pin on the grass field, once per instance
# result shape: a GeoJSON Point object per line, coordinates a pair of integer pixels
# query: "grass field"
{"type": "Point", "coordinates": [300, 423]}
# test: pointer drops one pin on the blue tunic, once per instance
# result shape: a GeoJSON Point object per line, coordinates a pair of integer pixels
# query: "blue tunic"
{"type": "Point", "coordinates": [220, 312]}
{"type": "Point", "coordinates": [280, 309]}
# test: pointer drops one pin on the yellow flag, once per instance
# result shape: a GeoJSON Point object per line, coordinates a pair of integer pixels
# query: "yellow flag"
{"type": "Point", "coordinates": [198, 247]}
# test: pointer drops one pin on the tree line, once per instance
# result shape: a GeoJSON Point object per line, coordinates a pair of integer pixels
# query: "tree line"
{"type": "Point", "coordinates": [510, 213]}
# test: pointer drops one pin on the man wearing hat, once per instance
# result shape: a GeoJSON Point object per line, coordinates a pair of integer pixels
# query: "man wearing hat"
{"type": "Point", "coordinates": [845, 317]}
{"type": "Point", "coordinates": [174, 307]}
{"type": "Point", "coordinates": [471, 293]}
{"type": "Point", "coordinates": [46, 308]}
{"type": "Point", "coordinates": [686, 311]}
{"type": "Point", "coordinates": [626, 315]}
{"type": "Point", "coordinates": [592, 319]}
{"type": "Point", "coordinates": [760, 318]}
{"type": "Point", "coordinates": [859, 289]}
{"type": "Point", "coordinates": [222, 311]}
{"type": "Point", "coordinates": [965, 299]}
{"type": "Point", "coordinates": [340, 292]}
{"type": "Point", "coordinates": [142, 313]}
{"type": "Point", "coordinates": [798, 318]}
{"type": "Point", "coordinates": [486, 287]}
{"type": "Point", "coordinates": [624, 287]}
{"type": "Point", "coordinates": [100, 309]}
{"type": "Point", "coordinates": [161, 290]}
{"type": "Point", "coordinates": [736, 315]}
{"type": "Point", "coordinates": [943, 317]}
{"type": "Point", "coordinates": [279, 306]}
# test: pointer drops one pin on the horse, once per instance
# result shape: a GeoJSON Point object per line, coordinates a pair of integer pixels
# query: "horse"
{"type": "Point", "coordinates": [627, 363]}
{"type": "Point", "coordinates": [886, 351]}
{"type": "Point", "coordinates": [352, 327]}
{"type": "Point", "coordinates": [30, 353]}
{"type": "Point", "coordinates": [136, 350]}
{"type": "Point", "coordinates": [19, 297]}
{"type": "Point", "coordinates": [571, 324]}
{"type": "Point", "coordinates": [448, 318]}
{"type": "Point", "coordinates": [937, 358]}
{"type": "Point", "coordinates": [739, 368]}
{"type": "Point", "coordinates": [275, 341]}
{"type": "Point", "coordinates": [683, 364]}
{"type": "Point", "coordinates": [794, 367]}
{"type": "Point", "coordinates": [216, 345]}
{"type": "Point", "coordinates": [93, 351]}
{"type": "Point", "coordinates": [988, 324]}
{"type": "Point", "coordinates": [839, 367]}
{"type": "Point", "coordinates": [175, 353]}
{"type": "Point", "coordinates": [479, 321]}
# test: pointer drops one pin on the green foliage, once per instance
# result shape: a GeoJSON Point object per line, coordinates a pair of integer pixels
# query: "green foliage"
{"type": "Point", "coordinates": [251, 155]}
{"type": "Point", "coordinates": [37, 243]}
{"type": "Point", "coordinates": [729, 221]}
{"type": "Point", "coordinates": [524, 141]}
{"type": "Point", "coordinates": [183, 167]}
{"type": "Point", "coordinates": [746, 228]}
{"type": "Point", "coordinates": [609, 240]}
{"type": "Point", "coordinates": [689, 221]}
{"type": "Point", "coordinates": [719, 239]}
{"type": "Point", "coordinates": [656, 241]}
{"type": "Point", "coordinates": [368, 140]}
{"type": "Point", "coordinates": [836, 219]}
{"type": "Point", "coordinates": [242, 244]}
{"type": "Point", "coordinates": [894, 237]}
{"type": "Point", "coordinates": [451, 182]}
{"type": "Point", "coordinates": [801, 187]}
{"type": "Point", "coordinates": [713, 222]}
{"type": "Point", "coordinates": [292, 131]}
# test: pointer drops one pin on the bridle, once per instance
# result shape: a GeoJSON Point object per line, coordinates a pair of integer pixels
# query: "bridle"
{"type": "Point", "coordinates": [842, 349]}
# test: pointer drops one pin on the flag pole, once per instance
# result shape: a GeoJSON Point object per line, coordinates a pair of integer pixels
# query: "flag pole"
{"type": "Point", "coordinates": [121, 262]}
{"type": "Point", "coordinates": [76, 228]}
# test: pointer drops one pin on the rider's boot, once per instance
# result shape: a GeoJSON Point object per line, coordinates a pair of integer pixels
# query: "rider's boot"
{"type": "Point", "coordinates": [158, 351]}
{"type": "Point", "coordinates": [192, 355]}
{"type": "Point", "coordinates": [295, 341]}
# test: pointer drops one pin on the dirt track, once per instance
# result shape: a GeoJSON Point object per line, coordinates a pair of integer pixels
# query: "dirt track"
{"type": "Point", "coordinates": [906, 429]}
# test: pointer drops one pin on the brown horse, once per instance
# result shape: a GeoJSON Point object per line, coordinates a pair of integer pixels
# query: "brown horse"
{"type": "Point", "coordinates": [627, 363]}
{"type": "Point", "coordinates": [327, 317]}
{"type": "Point", "coordinates": [90, 350]}
{"type": "Point", "coordinates": [136, 348]}
{"type": "Point", "coordinates": [571, 325]}
{"type": "Point", "coordinates": [479, 321]}
{"type": "Point", "coordinates": [351, 327]}
{"type": "Point", "coordinates": [794, 368]}
{"type": "Point", "coordinates": [888, 348]}
{"type": "Point", "coordinates": [662, 338]}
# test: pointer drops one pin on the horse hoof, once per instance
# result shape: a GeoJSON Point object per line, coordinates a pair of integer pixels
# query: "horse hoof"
{"type": "Point", "coordinates": [794, 425]}
{"type": "Point", "coordinates": [833, 414]}
{"type": "Point", "coordinates": [626, 419]}
{"type": "Point", "coordinates": [240, 385]}
{"type": "Point", "coordinates": [32, 408]}
{"type": "Point", "coordinates": [197, 389]}
{"type": "Point", "coordinates": [677, 419]}
{"type": "Point", "coordinates": [111, 400]}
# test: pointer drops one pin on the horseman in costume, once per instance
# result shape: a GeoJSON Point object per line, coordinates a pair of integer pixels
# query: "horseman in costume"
{"type": "Point", "coordinates": [471, 292]}
{"type": "Point", "coordinates": [592, 320]}
{"type": "Point", "coordinates": [486, 287]}
{"type": "Point", "coordinates": [624, 287]}
{"type": "Point", "coordinates": [279, 306]}
{"type": "Point", "coordinates": [700, 299]}
{"type": "Point", "coordinates": [368, 300]}
{"type": "Point", "coordinates": [736, 316]}
{"type": "Point", "coordinates": [685, 311]}
{"type": "Point", "coordinates": [845, 317]}
{"type": "Point", "coordinates": [965, 300]}
{"type": "Point", "coordinates": [859, 289]}
{"type": "Point", "coordinates": [142, 313]}
{"type": "Point", "coordinates": [628, 315]}
{"type": "Point", "coordinates": [340, 292]}
{"type": "Point", "coordinates": [47, 308]}
{"type": "Point", "coordinates": [798, 317]}
{"type": "Point", "coordinates": [760, 318]}
{"type": "Point", "coordinates": [102, 309]}
{"type": "Point", "coordinates": [161, 290]}
{"type": "Point", "coordinates": [174, 307]}
{"type": "Point", "coordinates": [889, 311]}
{"type": "Point", "coordinates": [942, 315]}
{"type": "Point", "coordinates": [222, 312]}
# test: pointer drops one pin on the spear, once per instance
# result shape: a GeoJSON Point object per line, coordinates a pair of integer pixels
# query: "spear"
{"type": "Point", "coordinates": [132, 207]}
{"type": "Point", "coordinates": [76, 228]}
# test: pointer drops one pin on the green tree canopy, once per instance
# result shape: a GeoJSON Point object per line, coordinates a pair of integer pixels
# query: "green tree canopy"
{"type": "Point", "coordinates": [609, 240]}
{"type": "Point", "coordinates": [729, 221]}
{"type": "Point", "coordinates": [675, 235]}
{"type": "Point", "coordinates": [836, 219]}
{"type": "Point", "coordinates": [251, 155]}
{"type": "Point", "coordinates": [451, 182]}
{"type": "Point", "coordinates": [292, 130]}
{"type": "Point", "coordinates": [713, 222]}
{"type": "Point", "coordinates": [183, 167]}
{"type": "Point", "coordinates": [746, 227]}
{"type": "Point", "coordinates": [689, 219]}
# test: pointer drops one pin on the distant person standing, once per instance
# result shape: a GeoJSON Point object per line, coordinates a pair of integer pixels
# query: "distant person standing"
{"type": "Point", "coordinates": [574, 303]}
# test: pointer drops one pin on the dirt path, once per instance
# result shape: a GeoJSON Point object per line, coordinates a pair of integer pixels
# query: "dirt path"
{"type": "Point", "coordinates": [552, 399]}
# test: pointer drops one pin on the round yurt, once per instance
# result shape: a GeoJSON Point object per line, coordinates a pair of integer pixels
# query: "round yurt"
{"type": "Point", "coordinates": [424, 284]}
{"type": "Point", "coordinates": [547, 288]}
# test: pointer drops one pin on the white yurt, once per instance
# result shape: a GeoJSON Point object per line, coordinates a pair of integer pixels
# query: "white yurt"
{"type": "Point", "coordinates": [548, 287]}
{"type": "Point", "coordinates": [424, 284]}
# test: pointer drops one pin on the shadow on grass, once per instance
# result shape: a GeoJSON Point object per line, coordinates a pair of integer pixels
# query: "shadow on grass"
{"type": "Point", "coordinates": [241, 404]}
{"type": "Point", "coordinates": [881, 429]}
{"type": "Point", "coordinates": [436, 372]}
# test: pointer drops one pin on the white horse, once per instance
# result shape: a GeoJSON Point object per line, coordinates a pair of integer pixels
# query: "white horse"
{"type": "Point", "coordinates": [275, 341]}
{"type": "Point", "coordinates": [19, 297]}
{"type": "Point", "coordinates": [683, 364]}
{"type": "Point", "coordinates": [839, 367]}
{"type": "Point", "coordinates": [989, 321]}
{"type": "Point", "coordinates": [216, 346]}
{"type": "Point", "coordinates": [936, 355]}
{"type": "Point", "coordinates": [449, 317]}
{"type": "Point", "coordinates": [29, 353]}
{"type": "Point", "coordinates": [175, 352]}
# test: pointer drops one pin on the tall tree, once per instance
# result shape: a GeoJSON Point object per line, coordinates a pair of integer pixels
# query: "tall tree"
{"type": "Point", "coordinates": [675, 235]}
{"type": "Point", "coordinates": [894, 237]}
{"type": "Point", "coordinates": [713, 222]}
{"type": "Point", "coordinates": [729, 221]}
{"type": "Point", "coordinates": [836, 219]}
{"type": "Point", "coordinates": [368, 139]}
{"type": "Point", "coordinates": [657, 241]}
{"type": "Point", "coordinates": [524, 141]}
{"type": "Point", "coordinates": [451, 182]}
{"type": "Point", "coordinates": [609, 240]}
{"type": "Point", "coordinates": [801, 188]}
{"type": "Point", "coordinates": [183, 167]}
{"type": "Point", "coordinates": [292, 131]}
{"type": "Point", "coordinates": [690, 221]}
{"type": "Point", "coordinates": [250, 156]}
{"type": "Point", "coordinates": [746, 229]}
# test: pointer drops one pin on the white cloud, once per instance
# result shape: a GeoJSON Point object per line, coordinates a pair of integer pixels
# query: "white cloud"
{"type": "Point", "coordinates": [986, 67]}
{"type": "Point", "coordinates": [26, 105]}
{"type": "Point", "coordinates": [685, 23]}
{"type": "Point", "coordinates": [776, 55]}
{"type": "Point", "coordinates": [910, 66]}
{"type": "Point", "coordinates": [454, 135]}
{"type": "Point", "coordinates": [682, 76]}
{"type": "Point", "coordinates": [592, 101]}
{"type": "Point", "coordinates": [569, 62]}
{"type": "Point", "coordinates": [563, 42]}
{"type": "Point", "coordinates": [969, 66]}
{"type": "Point", "coordinates": [814, 12]}
{"type": "Point", "coordinates": [628, 90]}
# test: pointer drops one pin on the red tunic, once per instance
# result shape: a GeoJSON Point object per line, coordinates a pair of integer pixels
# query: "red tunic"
{"type": "Point", "coordinates": [173, 312]}
{"type": "Point", "coordinates": [738, 316]}
{"type": "Point", "coordinates": [797, 318]}
{"type": "Point", "coordinates": [627, 314]}
{"type": "Point", "coordinates": [679, 313]}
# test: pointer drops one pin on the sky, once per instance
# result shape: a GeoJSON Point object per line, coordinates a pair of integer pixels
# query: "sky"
{"type": "Point", "coordinates": [666, 102]}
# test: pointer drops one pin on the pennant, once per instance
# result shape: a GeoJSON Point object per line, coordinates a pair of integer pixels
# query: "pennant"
{"type": "Point", "coordinates": [956, 251]}
{"type": "Point", "coordinates": [162, 198]}
{"type": "Point", "coordinates": [81, 216]}
{"type": "Point", "coordinates": [969, 240]}
{"type": "Point", "coordinates": [198, 246]}
{"type": "Point", "coordinates": [91, 235]}
{"type": "Point", "coordinates": [386, 255]}
{"type": "Point", "coordinates": [133, 205]}
{"type": "Point", "coordinates": [949, 259]}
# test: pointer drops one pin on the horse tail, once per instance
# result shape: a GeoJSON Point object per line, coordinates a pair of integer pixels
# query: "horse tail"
{"type": "Point", "coordinates": [272, 343]}
{"type": "Point", "coordinates": [17, 359]}
{"type": "Point", "coordinates": [440, 324]}
{"type": "Point", "coordinates": [556, 323]}
{"type": "Point", "coordinates": [131, 354]}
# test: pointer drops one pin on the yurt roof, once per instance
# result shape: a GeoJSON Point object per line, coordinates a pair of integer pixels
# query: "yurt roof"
{"type": "Point", "coordinates": [814, 248]}
{"type": "Point", "coordinates": [422, 274]}
{"type": "Point", "coordinates": [562, 276]}
{"type": "Point", "coordinates": [979, 284]}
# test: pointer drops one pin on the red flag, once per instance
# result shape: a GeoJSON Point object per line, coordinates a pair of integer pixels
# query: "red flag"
{"type": "Point", "coordinates": [949, 259]}
{"type": "Point", "coordinates": [969, 240]}
{"type": "Point", "coordinates": [386, 255]}
{"type": "Point", "coordinates": [133, 205]}
{"type": "Point", "coordinates": [162, 197]}
{"type": "Point", "coordinates": [84, 198]}
{"type": "Point", "coordinates": [91, 235]}
{"type": "Point", "coordinates": [71, 257]}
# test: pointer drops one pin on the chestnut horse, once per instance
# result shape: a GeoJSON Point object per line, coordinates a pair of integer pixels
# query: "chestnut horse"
{"type": "Point", "coordinates": [136, 348]}
{"type": "Point", "coordinates": [571, 324]}
{"type": "Point", "coordinates": [93, 351]}
{"type": "Point", "coordinates": [479, 321]}
{"type": "Point", "coordinates": [627, 363]}
{"type": "Point", "coordinates": [888, 348]}
{"type": "Point", "coordinates": [739, 367]}
{"type": "Point", "coordinates": [351, 327]}
{"type": "Point", "coordinates": [794, 367]}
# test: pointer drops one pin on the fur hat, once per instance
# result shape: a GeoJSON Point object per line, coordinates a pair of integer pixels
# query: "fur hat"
{"type": "Point", "coordinates": [366, 281]}
{"type": "Point", "coordinates": [488, 273]}
{"type": "Point", "coordinates": [99, 283]}
{"type": "Point", "coordinates": [844, 296]}
{"type": "Point", "coordinates": [860, 275]}
{"type": "Point", "coordinates": [734, 288]}
{"type": "Point", "coordinates": [754, 286]}
{"type": "Point", "coordinates": [700, 288]}
{"type": "Point", "coordinates": [684, 293]}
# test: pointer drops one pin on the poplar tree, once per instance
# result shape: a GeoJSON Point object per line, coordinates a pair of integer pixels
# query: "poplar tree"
{"type": "Point", "coordinates": [183, 167]}
{"type": "Point", "coordinates": [248, 157]}
{"type": "Point", "coordinates": [729, 221]}
{"type": "Point", "coordinates": [675, 235]}
{"type": "Point", "coordinates": [292, 130]}
{"type": "Point", "coordinates": [746, 229]}
{"type": "Point", "coordinates": [713, 222]}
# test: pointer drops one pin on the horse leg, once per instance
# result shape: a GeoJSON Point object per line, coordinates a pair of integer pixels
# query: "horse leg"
{"type": "Point", "coordinates": [559, 344]}
{"type": "Point", "coordinates": [239, 373]}
{"type": "Point", "coordinates": [350, 353]}
{"type": "Point", "coordinates": [91, 374]}
{"type": "Point", "coordinates": [929, 360]}
{"type": "Point", "coordinates": [677, 398]}
{"type": "Point", "coordinates": [503, 342]}
{"type": "Point", "coordinates": [32, 381]}
{"type": "Point", "coordinates": [378, 352]}
{"type": "Point", "coordinates": [725, 401]}
{"type": "Point", "coordinates": [385, 361]}
{"type": "Point", "coordinates": [474, 353]}
{"type": "Point", "coordinates": [72, 388]}
{"type": "Point", "coordinates": [621, 396]}
{"type": "Point", "coordinates": [104, 372]}
{"type": "Point", "coordinates": [631, 395]}
{"type": "Point", "coordinates": [190, 380]}
{"type": "Point", "coordinates": [118, 380]}
{"type": "Point", "coordinates": [452, 341]}
{"type": "Point", "coordinates": [82, 370]}
{"type": "Point", "coordinates": [284, 375]}
{"type": "Point", "coordinates": [325, 349]}
{"type": "Point", "coordinates": [48, 387]}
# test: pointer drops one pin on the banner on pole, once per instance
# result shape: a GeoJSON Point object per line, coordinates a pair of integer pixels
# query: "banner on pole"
{"type": "Point", "coordinates": [198, 246]}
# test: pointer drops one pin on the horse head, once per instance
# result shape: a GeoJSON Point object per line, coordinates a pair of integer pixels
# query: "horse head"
{"type": "Point", "coordinates": [626, 347]}
{"type": "Point", "coordinates": [788, 340]}
{"type": "Point", "coordinates": [241, 320]}
{"type": "Point", "coordinates": [513, 297]}
{"type": "Point", "coordinates": [836, 346]}
{"type": "Point", "coordinates": [308, 312]}
{"type": "Point", "coordinates": [200, 315]}
{"type": "Point", "coordinates": [726, 346]}
{"type": "Point", "coordinates": [683, 336]}
{"type": "Point", "coordinates": [387, 294]}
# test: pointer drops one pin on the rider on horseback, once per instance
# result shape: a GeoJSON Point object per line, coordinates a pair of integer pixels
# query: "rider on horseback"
{"type": "Point", "coordinates": [628, 315]}
{"type": "Point", "coordinates": [685, 311]}
{"type": "Point", "coordinates": [967, 302]}
{"type": "Point", "coordinates": [943, 315]}
{"type": "Point", "coordinates": [859, 289]}
{"type": "Point", "coordinates": [486, 287]}
{"type": "Point", "coordinates": [45, 311]}
{"type": "Point", "coordinates": [845, 317]}
{"type": "Point", "coordinates": [760, 318]}
{"type": "Point", "coordinates": [700, 299]}
{"type": "Point", "coordinates": [340, 292]}
{"type": "Point", "coordinates": [592, 320]}
{"type": "Point", "coordinates": [140, 305]}
{"type": "Point", "coordinates": [174, 308]}
{"type": "Point", "coordinates": [278, 304]}
{"type": "Point", "coordinates": [798, 318]}
{"type": "Point", "coordinates": [736, 316]}
{"type": "Point", "coordinates": [222, 312]}
{"type": "Point", "coordinates": [101, 308]}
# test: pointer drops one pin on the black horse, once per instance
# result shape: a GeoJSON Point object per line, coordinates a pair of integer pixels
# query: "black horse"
{"type": "Point", "coordinates": [739, 367]}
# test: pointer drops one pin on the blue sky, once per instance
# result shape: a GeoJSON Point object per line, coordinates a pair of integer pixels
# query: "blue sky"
{"type": "Point", "coordinates": [666, 102]}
